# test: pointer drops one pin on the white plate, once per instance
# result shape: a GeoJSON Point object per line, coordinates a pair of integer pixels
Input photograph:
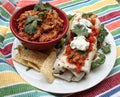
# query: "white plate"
{"type": "Point", "coordinates": [60, 86]}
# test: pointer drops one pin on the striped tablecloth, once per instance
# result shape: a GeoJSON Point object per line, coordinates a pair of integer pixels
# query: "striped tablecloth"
{"type": "Point", "coordinates": [12, 85]}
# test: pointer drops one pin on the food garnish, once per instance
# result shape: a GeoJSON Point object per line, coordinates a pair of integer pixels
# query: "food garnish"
{"type": "Point", "coordinates": [80, 30]}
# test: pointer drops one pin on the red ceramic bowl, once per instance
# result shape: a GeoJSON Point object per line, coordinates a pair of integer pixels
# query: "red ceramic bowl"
{"type": "Point", "coordinates": [37, 45]}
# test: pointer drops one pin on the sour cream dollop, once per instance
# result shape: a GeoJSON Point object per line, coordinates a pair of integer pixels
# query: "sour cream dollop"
{"type": "Point", "coordinates": [79, 43]}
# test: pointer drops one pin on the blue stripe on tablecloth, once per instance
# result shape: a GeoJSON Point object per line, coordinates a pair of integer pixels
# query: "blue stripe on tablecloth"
{"type": "Point", "coordinates": [3, 61]}
{"type": "Point", "coordinates": [111, 20]}
{"type": "Point", "coordinates": [117, 37]}
{"type": "Point", "coordinates": [5, 67]}
{"type": "Point", "coordinates": [111, 92]}
{"type": "Point", "coordinates": [72, 5]}
{"type": "Point", "coordinates": [13, 2]}
{"type": "Point", "coordinates": [4, 19]}
{"type": "Point", "coordinates": [8, 56]}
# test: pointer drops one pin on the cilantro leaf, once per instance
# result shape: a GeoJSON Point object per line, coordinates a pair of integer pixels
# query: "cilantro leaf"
{"type": "Point", "coordinates": [83, 53]}
{"type": "Point", "coordinates": [47, 6]}
{"type": "Point", "coordinates": [29, 19]}
{"type": "Point", "coordinates": [42, 13]}
{"type": "Point", "coordinates": [28, 68]}
{"type": "Point", "coordinates": [80, 30]}
{"type": "Point", "coordinates": [39, 6]}
{"type": "Point", "coordinates": [70, 16]}
{"type": "Point", "coordinates": [31, 28]}
{"type": "Point", "coordinates": [86, 15]}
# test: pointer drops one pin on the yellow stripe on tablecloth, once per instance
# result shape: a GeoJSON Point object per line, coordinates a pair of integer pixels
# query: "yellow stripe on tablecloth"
{"type": "Point", "coordinates": [118, 51]}
{"type": "Point", "coordinates": [3, 30]}
{"type": "Point", "coordinates": [8, 29]}
{"type": "Point", "coordinates": [96, 6]}
{"type": "Point", "coordinates": [7, 78]}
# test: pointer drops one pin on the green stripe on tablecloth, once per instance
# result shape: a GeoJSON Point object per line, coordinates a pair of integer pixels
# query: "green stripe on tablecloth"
{"type": "Point", "coordinates": [33, 94]}
{"type": "Point", "coordinates": [69, 3]}
{"type": "Point", "coordinates": [108, 11]}
{"type": "Point", "coordinates": [1, 56]}
{"type": "Point", "coordinates": [4, 13]}
{"type": "Point", "coordinates": [23, 90]}
{"type": "Point", "coordinates": [8, 41]}
{"type": "Point", "coordinates": [1, 38]}
{"type": "Point", "coordinates": [106, 8]}
{"type": "Point", "coordinates": [9, 35]}
{"type": "Point", "coordinates": [5, 67]}
{"type": "Point", "coordinates": [117, 61]}
{"type": "Point", "coordinates": [115, 70]}
{"type": "Point", "coordinates": [91, 2]}
{"type": "Point", "coordinates": [9, 90]}
{"type": "Point", "coordinates": [116, 32]}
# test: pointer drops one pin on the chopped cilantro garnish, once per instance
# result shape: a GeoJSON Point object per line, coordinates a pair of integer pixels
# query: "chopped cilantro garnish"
{"type": "Point", "coordinates": [31, 28]}
{"type": "Point", "coordinates": [80, 30]}
{"type": "Point", "coordinates": [86, 15]}
{"type": "Point", "coordinates": [47, 6]}
{"type": "Point", "coordinates": [28, 68]}
{"type": "Point", "coordinates": [42, 6]}
{"type": "Point", "coordinates": [39, 6]}
{"type": "Point", "coordinates": [29, 19]}
{"type": "Point", "coordinates": [42, 13]}
{"type": "Point", "coordinates": [83, 53]}
{"type": "Point", "coordinates": [31, 22]}
{"type": "Point", "coordinates": [70, 16]}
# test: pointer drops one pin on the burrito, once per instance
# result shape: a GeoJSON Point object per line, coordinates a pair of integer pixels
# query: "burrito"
{"type": "Point", "coordinates": [67, 71]}
{"type": "Point", "coordinates": [74, 61]}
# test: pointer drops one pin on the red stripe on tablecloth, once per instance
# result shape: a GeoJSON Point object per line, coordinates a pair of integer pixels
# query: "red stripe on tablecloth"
{"type": "Point", "coordinates": [113, 25]}
{"type": "Point", "coordinates": [9, 7]}
{"type": "Point", "coordinates": [58, 2]}
{"type": "Point", "coordinates": [10, 61]}
{"type": "Point", "coordinates": [23, 3]}
{"type": "Point", "coordinates": [101, 87]}
{"type": "Point", "coordinates": [7, 49]}
{"type": "Point", "coordinates": [109, 16]}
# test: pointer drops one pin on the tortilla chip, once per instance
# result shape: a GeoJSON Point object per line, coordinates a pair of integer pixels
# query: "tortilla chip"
{"type": "Point", "coordinates": [34, 57]}
{"type": "Point", "coordinates": [47, 67]}
{"type": "Point", "coordinates": [18, 59]}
